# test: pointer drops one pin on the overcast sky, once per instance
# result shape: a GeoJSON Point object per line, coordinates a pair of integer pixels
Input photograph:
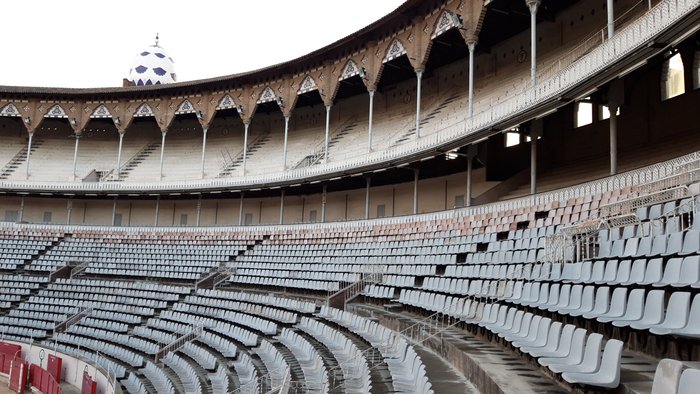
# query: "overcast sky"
{"type": "Point", "coordinates": [83, 43]}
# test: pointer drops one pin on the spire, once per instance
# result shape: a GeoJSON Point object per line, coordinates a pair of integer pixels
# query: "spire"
{"type": "Point", "coordinates": [156, 39]}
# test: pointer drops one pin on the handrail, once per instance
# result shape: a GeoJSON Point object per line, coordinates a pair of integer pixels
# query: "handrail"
{"type": "Point", "coordinates": [626, 40]}
{"type": "Point", "coordinates": [105, 176]}
{"type": "Point", "coordinates": [317, 152]}
{"type": "Point", "coordinates": [232, 159]}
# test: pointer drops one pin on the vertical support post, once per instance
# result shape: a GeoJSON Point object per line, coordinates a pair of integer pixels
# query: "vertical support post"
{"type": "Point", "coordinates": [323, 204]}
{"type": "Point", "coordinates": [155, 223]}
{"type": "Point", "coordinates": [613, 139]}
{"type": "Point", "coordinates": [533, 164]}
{"type": "Point", "coordinates": [369, 126]}
{"type": "Point", "coordinates": [199, 209]}
{"type": "Point", "coordinates": [532, 5]}
{"type": "Point", "coordinates": [611, 18]}
{"type": "Point", "coordinates": [282, 207]}
{"type": "Point", "coordinates": [369, 181]}
{"type": "Point", "coordinates": [245, 144]}
{"type": "Point", "coordinates": [419, 77]}
{"type": "Point", "coordinates": [470, 110]}
{"type": "Point", "coordinates": [69, 209]}
{"type": "Point", "coordinates": [416, 173]}
{"type": "Point", "coordinates": [240, 210]}
{"type": "Point", "coordinates": [21, 209]}
{"type": "Point", "coordinates": [471, 153]}
{"type": "Point", "coordinates": [328, 125]}
{"type": "Point", "coordinates": [286, 139]}
{"type": "Point", "coordinates": [162, 151]}
{"type": "Point", "coordinates": [118, 168]}
{"type": "Point", "coordinates": [204, 149]}
{"type": "Point", "coordinates": [29, 154]}
{"type": "Point", "coordinates": [114, 209]}
{"type": "Point", "coordinates": [75, 154]}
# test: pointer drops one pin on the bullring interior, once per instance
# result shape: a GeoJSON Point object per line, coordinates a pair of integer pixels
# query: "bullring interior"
{"type": "Point", "coordinates": [466, 196]}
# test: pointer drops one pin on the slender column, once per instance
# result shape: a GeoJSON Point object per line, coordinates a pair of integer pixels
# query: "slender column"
{"type": "Point", "coordinates": [613, 139]}
{"type": "Point", "coordinates": [419, 77]}
{"type": "Point", "coordinates": [118, 168]}
{"type": "Point", "coordinates": [75, 154]}
{"type": "Point", "coordinates": [245, 144]}
{"type": "Point", "coordinates": [471, 45]}
{"type": "Point", "coordinates": [369, 127]}
{"type": "Point", "coordinates": [199, 209]}
{"type": "Point", "coordinates": [532, 5]}
{"type": "Point", "coordinates": [69, 209]}
{"type": "Point", "coordinates": [114, 210]}
{"type": "Point", "coordinates": [204, 149]}
{"type": "Point", "coordinates": [20, 217]}
{"type": "Point", "coordinates": [29, 154]}
{"type": "Point", "coordinates": [286, 138]}
{"type": "Point", "coordinates": [282, 207]}
{"type": "Point", "coordinates": [611, 18]}
{"type": "Point", "coordinates": [162, 152]}
{"type": "Point", "coordinates": [470, 164]}
{"type": "Point", "coordinates": [416, 172]}
{"type": "Point", "coordinates": [155, 223]}
{"type": "Point", "coordinates": [533, 164]}
{"type": "Point", "coordinates": [328, 125]}
{"type": "Point", "coordinates": [323, 204]}
{"type": "Point", "coordinates": [240, 210]}
{"type": "Point", "coordinates": [369, 181]}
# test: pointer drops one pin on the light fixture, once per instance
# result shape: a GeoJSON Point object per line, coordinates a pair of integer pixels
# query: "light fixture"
{"type": "Point", "coordinates": [199, 115]}
{"type": "Point", "coordinates": [456, 19]}
{"type": "Point", "coordinates": [279, 100]}
{"type": "Point", "coordinates": [117, 121]}
{"type": "Point", "coordinates": [240, 110]}
{"type": "Point", "coordinates": [362, 73]}
{"type": "Point", "coordinates": [73, 121]}
{"type": "Point", "coordinates": [27, 120]}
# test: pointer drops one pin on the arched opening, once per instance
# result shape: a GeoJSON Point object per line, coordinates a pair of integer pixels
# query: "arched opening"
{"type": "Point", "coordinates": [672, 78]}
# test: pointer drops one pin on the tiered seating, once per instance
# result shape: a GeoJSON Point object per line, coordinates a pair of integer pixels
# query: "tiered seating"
{"type": "Point", "coordinates": [16, 248]}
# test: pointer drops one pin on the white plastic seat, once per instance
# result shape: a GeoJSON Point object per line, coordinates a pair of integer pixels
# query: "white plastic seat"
{"type": "Point", "coordinates": [667, 376]}
{"type": "Point", "coordinates": [571, 356]}
{"type": "Point", "coordinates": [692, 327]}
{"type": "Point", "coordinates": [653, 312]}
{"type": "Point", "coordinates": [689, 382]}
{"type": "Point", "coordinates": [672, 272]}
{"type": "Point", "coordinates": [563, 343]}
{"type": "Point", "coordinates": [676, 314]}
{"type": "Point", "coordinates": [590, 361]}
{"type": "Point", "coordinates": [689, 272]}
{"type": "Point", "coordinates": [607, 374]}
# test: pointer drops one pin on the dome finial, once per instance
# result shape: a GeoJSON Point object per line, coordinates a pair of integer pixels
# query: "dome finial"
{"type": "Point", "coordinates": [156, 39]}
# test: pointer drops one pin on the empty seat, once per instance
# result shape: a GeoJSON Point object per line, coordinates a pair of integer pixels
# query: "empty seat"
{"type": "Point", "coordinates": [607, 374]}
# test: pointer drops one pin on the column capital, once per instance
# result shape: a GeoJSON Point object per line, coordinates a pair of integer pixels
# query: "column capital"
{"type": "Point", "coordinates": [533, 5]}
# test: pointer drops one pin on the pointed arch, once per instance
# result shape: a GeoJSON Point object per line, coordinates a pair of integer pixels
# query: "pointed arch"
{"type": "Point", "coordinates": [307, 84]}
{"type": "Point", "coordinates": [143, 110]}
{"type": "Point", "coordinates": [185, 107]}
{"type": "Point", "coordinates": [267, 95]}
{"type": "Point", "coordinates": [9, 110]}
{"type": "Point", "coordinates": [445, 22]}
{"type": "Point", "coordinates": [56, 111]}
{"type": "Point", "coordinates": [394, 50]}
{"type": "Point", "coordinates": [226, 102]}
{"type": "Point", "coordinates": [350, 69]}
{"type": "Point", "coordinates": [101, 112]}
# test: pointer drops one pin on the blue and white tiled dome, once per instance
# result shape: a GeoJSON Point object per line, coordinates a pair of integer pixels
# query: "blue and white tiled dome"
{"type": "Point", "coordinates": [152, 66]}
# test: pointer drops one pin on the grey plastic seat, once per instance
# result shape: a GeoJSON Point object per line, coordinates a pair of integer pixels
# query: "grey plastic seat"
{"type": "Point", "coordinates": [653, 312]}
{"type": "Point", "coordinates": [549, 343]}
{"type": "Point", "coordinates": [575, 299]}
{"type": "Point", "coordinates": [530, 330]}
{"type": "Point", "coordinates": [558, 346]}
{"type": "Point", "coordinates": [610, 272]}
{"type": "Point", "coordinates": [644, 247]}
{"type": "Point", "coordinates": [692, 327]}
{"type": "Point", "coordinates": [607, 374]}
{"type": "Point", "coordinates": [520, 329]}
{"type": "Point", "coordinates": [571, 357]}
{"type": "Point", "coordinates": [514, 315]}
{"type": "Point", "coordinates": [689, 382]}
{"type": "Point", "coordinates": [516, 324]}
{"type": "Point", "coordinates": [654, 272]}
{"type": "Point", "coordinates": [624, 268]}
{"type": "Point", "coordinates": [636, 272]}
{"type": "Point", "coordinates": [674, 244]}
{"type": "Point", "coordinates": [597, 272]}
{"type": "Point", "coordinates": [691, 243]}
{"type": "Point", "coordinates": [658, 245]}
{"type": "Point", "coordinates": [630, 247]}
{"type": "Point", "coordinates": [590, 361]}
{"type": "Point", "coordinates": [635, 308]}
{"type": "Point", "coordinates": [616, 308]}
{"type": "Point", "coordinates": [667, 376]}
{"type": "Point", "coordinates": [672, 272]}
{"type": "Point", "coordinates": [619, 303]}
{"type": "Point", "coordinates": [676, 314]}
{"type": "Point", "coordinates": [690, 272]}
{"type": "Point", "coordinates": [597, 306]}
{"type": "Point", "coordinates": [537, 335]}
{"type": "Point", "coordinates": [563, 299]}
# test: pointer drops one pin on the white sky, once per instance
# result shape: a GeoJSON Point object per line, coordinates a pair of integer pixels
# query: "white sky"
{"type": "Point", "coordinates": [83, 43]}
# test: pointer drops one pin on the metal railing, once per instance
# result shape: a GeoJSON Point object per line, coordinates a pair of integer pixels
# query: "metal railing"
{"type": "Point", "coordinates": [625, 41]}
